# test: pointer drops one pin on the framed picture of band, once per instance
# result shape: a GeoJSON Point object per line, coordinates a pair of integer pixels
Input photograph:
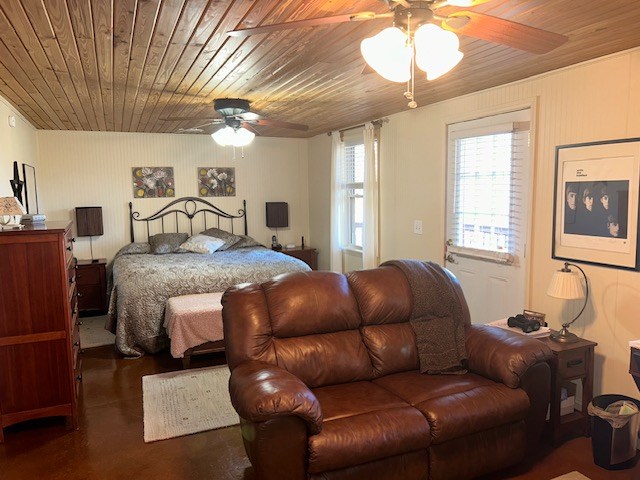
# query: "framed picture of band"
{"type": "Point", "coordinates": [595, 215]}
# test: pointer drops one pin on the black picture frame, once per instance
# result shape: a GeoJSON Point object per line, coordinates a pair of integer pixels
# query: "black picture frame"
{"type": "Point", "coordinates": [30, 189]}
{"type": "Point", "coordinates": [596, 203]}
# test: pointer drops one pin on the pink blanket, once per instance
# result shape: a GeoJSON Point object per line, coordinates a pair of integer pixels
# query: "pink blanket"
{"type": "Point", "coordinates": [191, 320]}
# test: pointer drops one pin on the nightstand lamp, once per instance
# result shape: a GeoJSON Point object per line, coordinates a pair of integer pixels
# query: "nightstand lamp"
{"type": "Point", "coordinates": [567, 285]}
{"type": "Point", "coordinates": [11, 211]}
{"type": "Point", "coordinates": [89, 224]}
{"type": "Point", "coordinates": [277, 217]}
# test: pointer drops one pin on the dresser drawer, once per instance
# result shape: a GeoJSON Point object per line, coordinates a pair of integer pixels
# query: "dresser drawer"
{"type": "Point", "coordinates": [572, 363]}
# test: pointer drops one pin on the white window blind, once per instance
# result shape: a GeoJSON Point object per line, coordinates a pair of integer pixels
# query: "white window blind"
{"type": "Point", "coordinates": [354, 189]}
{"type": "Point", "coordinates": [486, 162]}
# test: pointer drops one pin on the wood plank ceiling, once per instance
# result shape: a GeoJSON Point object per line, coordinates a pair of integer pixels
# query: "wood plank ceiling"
{"type": "Point", "coordinates": [124, 65]}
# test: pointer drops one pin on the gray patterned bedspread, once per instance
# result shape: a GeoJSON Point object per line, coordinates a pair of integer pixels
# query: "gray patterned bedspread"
{"type": "Point", "coordinates": [142, 284]}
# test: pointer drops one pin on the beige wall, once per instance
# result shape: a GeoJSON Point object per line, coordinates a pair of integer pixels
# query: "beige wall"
{"type": "Point", "coordinates": [597, 100]}
{"type": "Point", "coordinates": [94, 169]}
{"type": "Point", "coordinates": [16, 144]}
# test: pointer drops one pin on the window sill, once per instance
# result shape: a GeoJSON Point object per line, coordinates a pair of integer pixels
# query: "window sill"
{"type": "Point", "coordinates": [352, 250]}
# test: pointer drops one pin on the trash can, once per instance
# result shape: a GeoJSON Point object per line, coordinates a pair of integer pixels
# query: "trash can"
{"type": "Point", "coordinates": [615, 420]}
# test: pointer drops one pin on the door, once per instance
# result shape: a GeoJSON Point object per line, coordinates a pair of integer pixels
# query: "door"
{"type": "Point", "coordinates": [488, 213]}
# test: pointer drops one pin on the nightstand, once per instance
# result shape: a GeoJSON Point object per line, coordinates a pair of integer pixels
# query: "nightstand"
{"type": "Point", "coordinates": [307, 255]}
{"type": "Point", "coordinates": [92, 287]}
{"type": "Point", "coordinates": [572, 362]}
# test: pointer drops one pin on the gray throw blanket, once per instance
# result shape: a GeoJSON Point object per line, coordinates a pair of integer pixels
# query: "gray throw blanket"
{"type": "Point", "coordinates": [437, 317]}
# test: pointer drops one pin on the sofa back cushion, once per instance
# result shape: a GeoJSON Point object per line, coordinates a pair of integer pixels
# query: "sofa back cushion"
{"type": "Point", "coordinates": [385, 303]}
{"type": "Point", "coordinates": [305, 322]}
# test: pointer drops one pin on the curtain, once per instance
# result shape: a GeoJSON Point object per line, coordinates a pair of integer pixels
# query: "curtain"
{"type": "Point", "coordinates": [337, 202]}
{"type": "Point", "coordinates": [370, 247]}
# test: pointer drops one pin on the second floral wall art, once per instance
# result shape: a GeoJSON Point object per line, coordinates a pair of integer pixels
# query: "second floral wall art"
{"type": "Point", "coordinates": [216, 181]}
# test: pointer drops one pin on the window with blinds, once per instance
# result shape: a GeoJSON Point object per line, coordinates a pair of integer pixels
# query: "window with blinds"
{"type": "Point", "coordinates": [354, 175]}
{"type": "Point", "coordinates": [486, 163]}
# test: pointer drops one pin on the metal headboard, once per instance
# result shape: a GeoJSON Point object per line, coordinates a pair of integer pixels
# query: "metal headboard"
{"type": "Point", "coordinates": [191, 207]}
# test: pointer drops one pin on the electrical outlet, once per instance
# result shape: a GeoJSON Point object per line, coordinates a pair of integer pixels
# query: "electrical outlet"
{"type": "Point", "coordinates": [417, 227]}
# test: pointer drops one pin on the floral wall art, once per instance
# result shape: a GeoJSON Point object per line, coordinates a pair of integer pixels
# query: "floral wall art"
{"type": "Point", "coordinates": [216, 182]}
{"type": "Point", "coordinates": [153, 182]}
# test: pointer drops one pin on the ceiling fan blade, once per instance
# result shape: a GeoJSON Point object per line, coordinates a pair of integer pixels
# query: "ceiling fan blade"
{"type": "Point", "coordinates": [248, 126]}
{"type": "Point", "coordinates": [268, 122]}
{"type": "Point", "coordinates": [505, 32]}
{"type": "Point", "coordinates": [460, 3]}
{"type": "Point", "coordinates": [367, 69]}
{"type": "Point", "coordinates": [309, 22]}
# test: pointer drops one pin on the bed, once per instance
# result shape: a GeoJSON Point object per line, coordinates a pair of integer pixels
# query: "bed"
{"type": "Point", "coordinates": [141, 282]}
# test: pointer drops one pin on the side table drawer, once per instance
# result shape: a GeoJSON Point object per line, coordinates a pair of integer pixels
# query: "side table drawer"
{"type": "Point", "coordinates": [90, 297]}
{"type": "Point", "coordinates": [572, 363]}
{"type": "Point", "coordinates": [88, 276]}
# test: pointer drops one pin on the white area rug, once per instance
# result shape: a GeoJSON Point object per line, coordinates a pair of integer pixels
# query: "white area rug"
{"type": "Point", "coordinates": [93, 334]}
{"type": "Point", "coordinates": [571, 476]}
{"type": "Point", "coordinates": [185, 402]}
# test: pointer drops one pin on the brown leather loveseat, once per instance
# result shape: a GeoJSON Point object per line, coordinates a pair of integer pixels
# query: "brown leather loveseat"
{"type": "Point", "coordinates": [325, 376]}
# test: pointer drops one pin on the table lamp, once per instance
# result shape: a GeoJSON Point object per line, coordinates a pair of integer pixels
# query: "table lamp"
{"type": "Point", "coordinates": [11, 211]}
{"type": "Point", "coordinates": [567, 285]}
{"type": "Point", "coordinates": [89, 224]}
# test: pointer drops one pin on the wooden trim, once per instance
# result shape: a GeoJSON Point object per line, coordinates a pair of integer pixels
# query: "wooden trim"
{"type": "Point", "coordinates": [64, 410]}
{"type": "Point", "coordinates": [32, 338]}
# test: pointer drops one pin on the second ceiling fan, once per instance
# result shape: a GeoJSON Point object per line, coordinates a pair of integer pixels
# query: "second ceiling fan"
{"type": "Point", "coordinates": [421, 37]}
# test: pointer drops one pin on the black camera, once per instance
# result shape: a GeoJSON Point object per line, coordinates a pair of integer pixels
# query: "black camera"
{"type": "Point", "coordinates": [522, 322]}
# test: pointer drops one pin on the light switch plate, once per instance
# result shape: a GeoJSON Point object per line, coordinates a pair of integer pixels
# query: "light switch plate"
{"type": "Point", "coordinates": [417, 227]}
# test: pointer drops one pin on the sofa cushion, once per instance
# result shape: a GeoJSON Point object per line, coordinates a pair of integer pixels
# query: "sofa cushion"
{"type": "Point", "coordinates": [460, 405]}
{"type": "Point", "coordinates": [353, 440]}
{"type": "Point", "coordinates": [392, 348]}
{"type": "Point", "coordinates": [324, 359]}
{"type": "Point", "coordinates": [349, 399]}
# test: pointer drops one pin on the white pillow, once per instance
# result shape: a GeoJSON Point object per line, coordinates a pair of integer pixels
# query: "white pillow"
{"type": "Point", "coordinates": [202, 244]}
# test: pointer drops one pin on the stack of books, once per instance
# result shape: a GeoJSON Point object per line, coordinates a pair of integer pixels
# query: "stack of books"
{"type": "Point", "coordinates": [503, 323]}
{"type": "Point", "coordinates": [34, 219]}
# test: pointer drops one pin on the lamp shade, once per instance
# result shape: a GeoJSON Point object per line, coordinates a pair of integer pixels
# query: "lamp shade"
{"type": "Point", "coordinates": [389, 54]}
{"type": "Point", "coordinates": [566, 285]}
{"type": "Point", "coordinates": [436, 50]}
{"type": "Point", "coordinates": [89, 221]}
{"type": "Point", "coordinates": [11, 206]}
{"type": "Point", "coordinates": [236, 137]}
{"type": "Point", "coordinates": [277, 214]}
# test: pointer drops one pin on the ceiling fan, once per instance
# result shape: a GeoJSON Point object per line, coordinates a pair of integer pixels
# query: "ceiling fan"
{"type": "Point", "coordinates": [421, 36]}
{"type": "Point", "coordinates": [472, 24]}
{"type": "Point", "coordinates": [238, 121]}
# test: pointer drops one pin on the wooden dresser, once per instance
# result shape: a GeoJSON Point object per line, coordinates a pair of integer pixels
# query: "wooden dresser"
{"type": "Point", "coordinates": [39, 336]}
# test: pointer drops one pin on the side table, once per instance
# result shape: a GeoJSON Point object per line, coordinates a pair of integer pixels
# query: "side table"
{"type": "Point", "coordinates": [92, 287]}
{"type": "Point", "coordinates": [307, 254]}
{"type": "Point", "coordinates": [571, 362]}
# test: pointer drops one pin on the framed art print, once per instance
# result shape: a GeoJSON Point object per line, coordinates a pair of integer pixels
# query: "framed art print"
{"type": "Point", "coordinates": [595, 216]}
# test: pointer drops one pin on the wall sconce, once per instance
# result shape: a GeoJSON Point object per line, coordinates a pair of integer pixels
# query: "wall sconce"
{"type": "Point", "coordinates": [89, 224]}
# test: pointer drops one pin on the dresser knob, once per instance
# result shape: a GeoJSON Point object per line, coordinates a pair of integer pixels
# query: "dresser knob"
{"type": "Point", "coordinates": [72, 279]}
{"type": "Point", "coordinates": [69, 248]}
{"type": "Point", "coordinates": [79, 377]}
{"type": "Point", "coordinates": [79, 294]}
{"type": "Point", "coordinates": [76, 344]}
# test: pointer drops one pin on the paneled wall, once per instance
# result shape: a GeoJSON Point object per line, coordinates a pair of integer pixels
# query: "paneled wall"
{"type": "Point", "coordinates": [597, 100]}
{"type": "Point", "coordinates": [16, 144]}
{"type": "Point", "coordinates": [94, 169]}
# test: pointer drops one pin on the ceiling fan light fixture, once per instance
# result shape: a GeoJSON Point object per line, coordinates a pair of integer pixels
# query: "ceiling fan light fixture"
{"type": "Point", "coordinates": [437, 50]}
{"type": "Point", "coordinates": [389, 54]}
{"type": "Point", "coordinates": [228, 136]}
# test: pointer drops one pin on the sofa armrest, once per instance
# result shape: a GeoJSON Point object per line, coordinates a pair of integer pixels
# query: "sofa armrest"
{"type": "Point", "coordinates": [501, 355]}
{"type": "Point", "coordinates": [261, 391]}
